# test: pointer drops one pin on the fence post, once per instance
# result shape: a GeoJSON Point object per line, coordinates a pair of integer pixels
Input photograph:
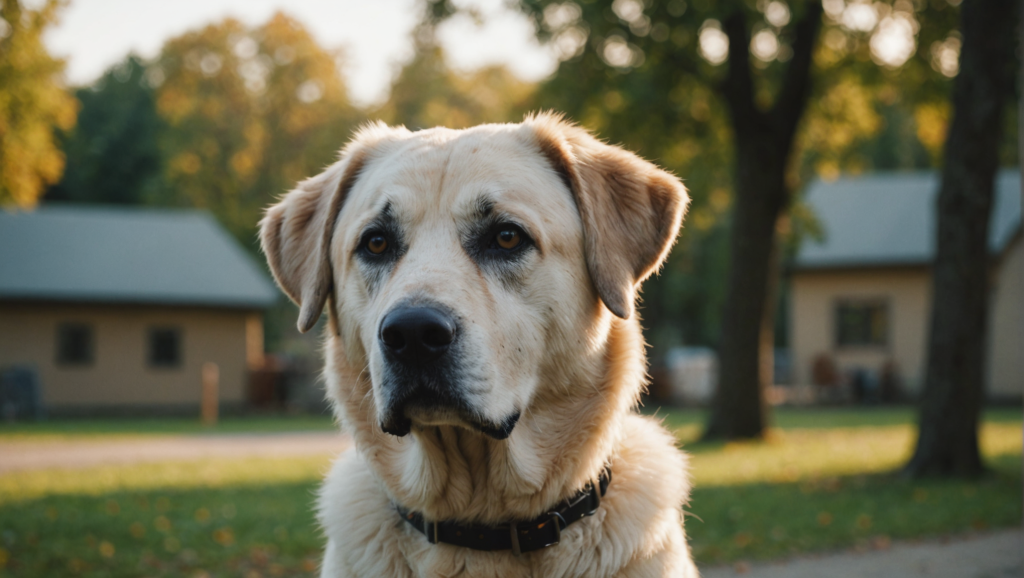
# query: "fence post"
{"type": "Point", "coordinates": [210, 401]}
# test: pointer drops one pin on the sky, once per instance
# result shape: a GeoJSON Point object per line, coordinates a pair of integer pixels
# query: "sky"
{"type": "Point", "coordinates": [375, 34]}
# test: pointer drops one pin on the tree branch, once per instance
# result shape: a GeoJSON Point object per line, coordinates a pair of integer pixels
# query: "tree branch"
{"type": "Point", "coordinates": [796, 84]}
{"type": "Point", "coordinates": [738, 85]}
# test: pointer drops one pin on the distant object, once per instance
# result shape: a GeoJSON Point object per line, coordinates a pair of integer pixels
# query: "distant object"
{"type": "Point", "coordinates": [118, 308]}
{"type": "Point", "coordinates": [693, 372]}
{"type": "Point", "coordinates": [19, 394]}
{"type": "Point", "coordinates": [861, 297]}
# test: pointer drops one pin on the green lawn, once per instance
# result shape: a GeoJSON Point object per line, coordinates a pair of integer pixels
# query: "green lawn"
{"type": "Point", "coordinates": [821, 481]}
{"type": "Point", "coordinates": [62, 429]}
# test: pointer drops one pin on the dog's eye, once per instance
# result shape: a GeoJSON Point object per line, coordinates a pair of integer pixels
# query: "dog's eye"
{"type": "Point", "coordinates": [509, 238]}
{"type": "Point", "coordinates": [377, 243]}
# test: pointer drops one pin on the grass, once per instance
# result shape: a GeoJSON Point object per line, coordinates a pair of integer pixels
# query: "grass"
{"type": "Point", "coordinates": [820, 481]}
{"type": "Point", "coordinates": [87, 428]}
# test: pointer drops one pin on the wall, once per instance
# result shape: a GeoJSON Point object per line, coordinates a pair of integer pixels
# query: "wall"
{"type": "Point", "coordinates": [120, 374]}
{"type": "Point", "coordinates": [908, 293]}
{"type": "Point", "coordinates": [814, 295]}
{"type": "Point", "coordinates": [1006, 325]}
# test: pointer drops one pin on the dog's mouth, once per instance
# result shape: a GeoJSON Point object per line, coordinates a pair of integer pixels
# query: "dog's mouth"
{"type": "Point", "coordinates": [425, 409]}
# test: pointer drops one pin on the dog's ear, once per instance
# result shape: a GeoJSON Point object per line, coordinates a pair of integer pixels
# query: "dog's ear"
{"type": "Point", "coordinates": [296, 233]}
{"type": "Point", "coordinates": [631, 209]}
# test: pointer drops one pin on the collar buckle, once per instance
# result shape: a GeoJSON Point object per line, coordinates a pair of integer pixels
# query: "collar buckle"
{"type": "Point", "coordinates": [430, 530]}
{"type": "Point", "coordinates": [513, 532]}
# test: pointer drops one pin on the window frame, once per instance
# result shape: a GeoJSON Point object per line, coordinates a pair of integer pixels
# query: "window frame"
{"type": "Point", "coordinates": [153, 360]}
{"type": "Point", "coordinates": [64, 330]}
{"type": "Point", "coordinates": [867, 304]}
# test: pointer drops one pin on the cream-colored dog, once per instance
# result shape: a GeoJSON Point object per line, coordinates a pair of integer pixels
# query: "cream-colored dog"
{"type": "Point", "coordinates": [483, 352]}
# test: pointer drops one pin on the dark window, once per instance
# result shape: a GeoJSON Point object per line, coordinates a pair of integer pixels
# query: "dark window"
{"type": "Point", "coordinates": [165, 347]}
{"type": "Point", "coordinates": [75, 344]}
{"type": "Point", "coordinates": [862, 323]}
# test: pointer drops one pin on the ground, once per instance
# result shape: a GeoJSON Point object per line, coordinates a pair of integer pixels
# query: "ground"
{"type": "Point", "coordinates": [239, 503]}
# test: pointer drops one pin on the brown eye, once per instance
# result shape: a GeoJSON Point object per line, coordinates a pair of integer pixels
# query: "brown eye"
{"type": "Point", "coordinates": [509, 238]}
{"type": "Point", "coordinates": [377, 244]}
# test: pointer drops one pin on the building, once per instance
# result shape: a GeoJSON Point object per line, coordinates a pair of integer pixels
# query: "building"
{"type": "Point", "coordinates": [117, 309]}
{"type": "Point", "coordinates": [860, 298]}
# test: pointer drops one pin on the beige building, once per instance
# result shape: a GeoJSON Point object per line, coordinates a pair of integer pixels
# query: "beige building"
{"type": "Point", "coordinates": [117, 310]}
{"type": "Point", "coordinates": [861, 298]}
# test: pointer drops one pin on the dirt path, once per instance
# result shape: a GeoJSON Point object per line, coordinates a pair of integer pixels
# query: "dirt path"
{"type": "Point", "coordinates": [36, 455]}
{"type": "Point", "coordinates": [991, 555]}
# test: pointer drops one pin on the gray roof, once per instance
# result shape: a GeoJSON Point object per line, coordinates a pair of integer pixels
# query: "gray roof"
{"type": "Point", "coordinates": [889, 219]}
{"type": "Point", "coordinates": [127, 255]}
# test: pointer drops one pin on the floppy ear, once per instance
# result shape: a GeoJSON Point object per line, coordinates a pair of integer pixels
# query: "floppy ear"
{"type": "Point", "coordinates": [631, 209]}
{"type": "Point", "coordinates": [296, 234]}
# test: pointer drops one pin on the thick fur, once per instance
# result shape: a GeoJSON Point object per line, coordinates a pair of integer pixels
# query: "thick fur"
{"type": "Point", "coordinates": [552, 338]}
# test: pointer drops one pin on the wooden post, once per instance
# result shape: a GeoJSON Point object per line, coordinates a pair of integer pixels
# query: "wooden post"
{"type": "Point", "coordinates": [211, 385]}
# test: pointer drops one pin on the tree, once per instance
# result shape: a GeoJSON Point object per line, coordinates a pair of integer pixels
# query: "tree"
{"type": "Point", "coordinates": [113, 154]}
{"type": "Point", "coordinates": [764, 143]}
{"type": "Point", "coordinates": [954, 381]}
{"type": "Point", "coordinates": [659, 47]}
{"type": "Point", "coordinates": [249, 113]}
{"type": "Point", "coordinates": [32, 103]}
{"type": "Point", "coordinates": [705, 87]}
{"type": "Point", "coordinates": [427, 93]}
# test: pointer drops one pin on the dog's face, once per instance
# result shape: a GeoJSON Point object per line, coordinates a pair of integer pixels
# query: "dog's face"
{"type": "Point", "coordinates": [466, 266]}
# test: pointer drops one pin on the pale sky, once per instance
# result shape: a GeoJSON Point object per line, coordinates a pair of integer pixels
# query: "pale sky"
{"type": "Point", "coordinates": [95, 34]}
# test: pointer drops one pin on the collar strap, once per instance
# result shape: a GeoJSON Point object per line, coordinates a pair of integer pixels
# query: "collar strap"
{"type": "Point", "coordinates": [522, 536]}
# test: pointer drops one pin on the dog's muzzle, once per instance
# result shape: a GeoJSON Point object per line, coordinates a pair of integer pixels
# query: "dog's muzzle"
{"type": "Point", "coordinates": [423, 371]}
{"type": "Point", "coordinates": [418, 343]}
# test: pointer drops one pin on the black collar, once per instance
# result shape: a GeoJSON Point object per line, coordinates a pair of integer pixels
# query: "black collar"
{"type": "Point", "coordinates": [522, 536]}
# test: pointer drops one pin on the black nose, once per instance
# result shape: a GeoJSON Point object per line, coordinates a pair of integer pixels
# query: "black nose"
{"type": "Point", "coordinates": [416, 335]}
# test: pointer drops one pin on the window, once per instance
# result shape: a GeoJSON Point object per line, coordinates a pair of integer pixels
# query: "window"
{"type": "Point", "coordinates": [75, 345]}
{"type": "Point", "coordinates": [164, 347]}
{"type": "Point", "coordinates": [863, 323]}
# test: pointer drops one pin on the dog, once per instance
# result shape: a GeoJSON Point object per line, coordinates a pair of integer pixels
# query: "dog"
{"type": "Point", "coordinates": [483, 351]}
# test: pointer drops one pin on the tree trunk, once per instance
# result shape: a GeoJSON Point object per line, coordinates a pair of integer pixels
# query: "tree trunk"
{"type": "Point", "coordinates": [764, 141]}
{"type": "Point", "coordinates": [947, 444]}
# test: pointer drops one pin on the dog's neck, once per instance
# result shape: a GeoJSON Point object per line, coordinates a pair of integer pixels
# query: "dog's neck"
{"type": "Point", "coordinates": [560, 443]}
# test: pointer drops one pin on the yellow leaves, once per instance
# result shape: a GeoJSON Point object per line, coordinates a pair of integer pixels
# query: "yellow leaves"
{"type": "Point", "coordinates": [827, 169]}
{"type": "Point", "coordinates": [743, 539]}
{"type": "Point", "coordinates": [113, 508]}
{"type": "Point", "coordinates": [224, 536]}
{"type": "Point", "coordinates": [187, 163]}
{"type": "Point", "coordinates": [33, 102]}
{"type": "Point", "coordinates": [246, 105]}
{"type": "Point", "coordinates": [202, 515]}
{"type": "Point", "coordinates": [932, 120]}
{"type": "Point", "coordinates": [106, 549]}
{"type": "Point", "coordinates": [137, 530]}
{"type": "Point", "coordinates": [162, 524]}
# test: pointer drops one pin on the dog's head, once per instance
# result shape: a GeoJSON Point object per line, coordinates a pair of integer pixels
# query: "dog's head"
{"type": "Point", "coordinates": [462, 268]}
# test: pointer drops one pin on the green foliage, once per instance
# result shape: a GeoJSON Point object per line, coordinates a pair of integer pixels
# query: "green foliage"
{"type": "Point", "coordinates": [250, 112]}
{"type": "Point", "coordinates": [635, 72]}
{"type": "Point", "coordinates": [112, 154]}
{"type": "Point", "coordinates": [32, 104]}
{"type": "Point", "coordinates": [427, 94]}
